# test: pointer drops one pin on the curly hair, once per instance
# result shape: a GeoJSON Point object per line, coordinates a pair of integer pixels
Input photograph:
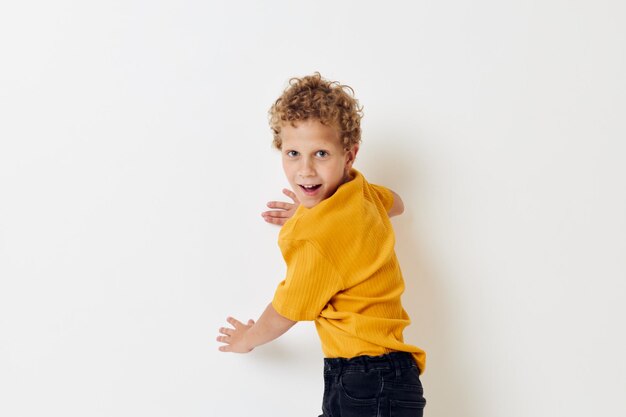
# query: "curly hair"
{"type": "Point", "coordinates": [313, 97]}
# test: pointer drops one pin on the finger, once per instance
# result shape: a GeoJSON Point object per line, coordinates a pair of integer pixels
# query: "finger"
{"type": "Point", "coordinates": [276, 213]}
{"type": "Point", "coordinates": [234, 322]}
{"type": "Point", "coordinates": [226, 331]}
{"type": "Point", "coordinates": [280, 205]}
{"type": "Point", "coordinates": [222, 339]}
{"type": "Point", "coordinates": [290, 194]}
{"type": "Point", "coordinates": [250, 322]}
{"type": "Point", "coordinates": [225, 348]}
{"type": "Point", "coordinates": [275, 220]}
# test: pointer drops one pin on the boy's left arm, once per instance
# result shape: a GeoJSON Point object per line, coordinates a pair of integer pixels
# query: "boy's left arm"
{"type": "Point", "coordinates": [242, 338]}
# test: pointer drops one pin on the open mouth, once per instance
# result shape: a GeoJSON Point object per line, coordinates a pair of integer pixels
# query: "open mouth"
{"type": "Point", "coordinates": [310, 189]}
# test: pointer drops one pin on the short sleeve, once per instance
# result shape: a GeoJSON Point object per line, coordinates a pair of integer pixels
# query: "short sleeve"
{"type": "Point", "coordinates": [384, 195]}
{"type": "Point", "coordinates": [310, 283]}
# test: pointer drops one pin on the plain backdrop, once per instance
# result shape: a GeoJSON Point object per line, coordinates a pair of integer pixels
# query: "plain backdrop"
{"type": "Point", "coordinates": [135, 160]}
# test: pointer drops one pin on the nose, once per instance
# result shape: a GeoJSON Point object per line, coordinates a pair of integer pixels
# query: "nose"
{"type": "Point", "coordinates": [306, 168]}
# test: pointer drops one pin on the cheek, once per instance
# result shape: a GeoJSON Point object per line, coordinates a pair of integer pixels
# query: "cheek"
{"type": "Point", "coordinates": [287, 167]}
{"type": "Point", "coordinates": [337, 173]}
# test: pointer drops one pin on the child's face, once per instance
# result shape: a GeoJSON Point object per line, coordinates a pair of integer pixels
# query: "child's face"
{"type": "Point", "coordinates": [314, 160]}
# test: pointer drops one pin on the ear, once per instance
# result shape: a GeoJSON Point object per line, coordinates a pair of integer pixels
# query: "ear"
{"type": "Point", "coordinates": [351, 155]}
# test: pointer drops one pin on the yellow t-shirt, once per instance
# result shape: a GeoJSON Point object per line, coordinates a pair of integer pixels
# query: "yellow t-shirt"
{"type": "Point", "coordinates": [342, 272]}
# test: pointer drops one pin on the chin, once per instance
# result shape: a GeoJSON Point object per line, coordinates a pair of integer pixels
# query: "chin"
{"type": "Point", "coordinates": [311, 204]}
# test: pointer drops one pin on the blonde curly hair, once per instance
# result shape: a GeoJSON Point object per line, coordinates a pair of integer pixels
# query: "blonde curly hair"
{"type": "Point", "coordinates": [313, 97]}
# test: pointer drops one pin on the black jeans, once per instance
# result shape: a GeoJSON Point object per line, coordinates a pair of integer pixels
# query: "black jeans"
{"type": "Point", "coordinates": [373, 386]}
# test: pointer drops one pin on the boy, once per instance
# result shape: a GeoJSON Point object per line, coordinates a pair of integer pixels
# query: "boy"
{"type": "Point", "coordinates": [342, 271]}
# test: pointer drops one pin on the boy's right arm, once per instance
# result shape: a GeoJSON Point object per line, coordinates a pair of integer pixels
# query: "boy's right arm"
{"type": "Point", "coordinates": [242, 338]}
{"type": "Point", "coordinates": [282, 210]}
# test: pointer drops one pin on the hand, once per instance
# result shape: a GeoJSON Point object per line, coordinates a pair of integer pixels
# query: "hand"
{"type": "Point", "coordinates": [234, 337]}
{"type": "Point", "coordinates": [285, 210]}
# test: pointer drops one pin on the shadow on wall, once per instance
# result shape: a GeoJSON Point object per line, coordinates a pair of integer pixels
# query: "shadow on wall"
{"type": "Point", "coordinates": [446, 380]}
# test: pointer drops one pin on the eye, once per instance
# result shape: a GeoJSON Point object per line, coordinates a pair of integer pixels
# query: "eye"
{"type": "Point", "coordinates": [291, 154]}
{"type": "Point", "coordinates": [321, 154]}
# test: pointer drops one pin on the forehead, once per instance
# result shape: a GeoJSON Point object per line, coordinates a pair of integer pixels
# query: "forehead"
{"type": "Point", "coordinates": [309, 132]}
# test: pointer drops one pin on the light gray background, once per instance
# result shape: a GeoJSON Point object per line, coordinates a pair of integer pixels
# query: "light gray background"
{"type": "Point", "coordinates": [135, 160]}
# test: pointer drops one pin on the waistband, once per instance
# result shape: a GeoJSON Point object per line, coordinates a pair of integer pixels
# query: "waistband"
{"type": "Point", "coordinates": [388, 361]}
